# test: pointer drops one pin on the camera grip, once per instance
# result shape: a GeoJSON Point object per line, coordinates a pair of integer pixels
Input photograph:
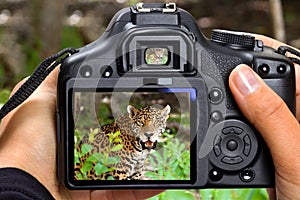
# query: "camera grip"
{"type": "Point", "coordinates": [286, 90]}
{"type": "Point", "coordinates": [219, 66]}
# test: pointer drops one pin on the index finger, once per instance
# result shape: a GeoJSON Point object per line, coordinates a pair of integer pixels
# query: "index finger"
{"type": "Point", "coordinates": [270, 42]}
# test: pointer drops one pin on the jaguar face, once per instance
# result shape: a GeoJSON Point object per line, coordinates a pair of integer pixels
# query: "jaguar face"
{"type": "Point", "coordinates": [148, 124]}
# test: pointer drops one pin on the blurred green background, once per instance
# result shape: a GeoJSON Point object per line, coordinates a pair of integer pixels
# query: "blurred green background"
{"type": "Point", "coordinates": [31, 30]}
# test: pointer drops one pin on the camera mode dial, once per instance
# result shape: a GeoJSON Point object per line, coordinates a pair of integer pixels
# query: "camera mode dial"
{"type": "Point", "coordinates": [232, 39]}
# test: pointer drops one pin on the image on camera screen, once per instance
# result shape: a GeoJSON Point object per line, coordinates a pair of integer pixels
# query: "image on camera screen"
{"type": "Point", "coordinates": [140, 135]}
{"type": "Point", "coordinates": [156, 56]}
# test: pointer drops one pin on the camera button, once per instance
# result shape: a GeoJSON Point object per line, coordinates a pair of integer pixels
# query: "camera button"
{"type": "Point", "coordinates": [232, 145]}
{"type": "Point", "coordinates": [247, 140]}
{"type": "Point", "coordinates": [260, 44]}
{"type": "Point", "coordinates": [86, 71]}
{"type": "Point", "coordinates": [106, 71]}
{"type": "Point", "coordinates": [247, 175]}
{"type": "Point", "coordinates": [216, 116]}
{"type": "Point", "coordinates": [281, 69]}
{"type": "Point", "coordinates": [217, 150]}
{"type": "Point", "coordinates": [217, 140]}
{"type": "Point", "coordinates": [215, 95]}
{"type": "Point", "coordinates": [217, 143]}
{"type": "Point", "coordinates": [232, 160]}
{"type": "Point", "coordinates": [263, 69]}
{"type": "Point", "coordinates": [232, 130]}
{"type": "Point", "coordinates": [247, 145]}
{"type": "Point", "coordinates": [215, 175]}
{"type": "Point", "coordinates": [235, 145]}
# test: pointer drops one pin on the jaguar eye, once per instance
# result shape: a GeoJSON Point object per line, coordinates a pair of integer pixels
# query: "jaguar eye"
{"type": "Point", "coordinates": [139, 123]}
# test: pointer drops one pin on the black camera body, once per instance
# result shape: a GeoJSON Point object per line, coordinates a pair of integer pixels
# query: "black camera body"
{"type": "Point", "coordinates": [148, 105]}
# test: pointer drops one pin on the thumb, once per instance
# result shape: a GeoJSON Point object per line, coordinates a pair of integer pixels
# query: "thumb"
{"type": "Point", "coordinates": [268, 113]}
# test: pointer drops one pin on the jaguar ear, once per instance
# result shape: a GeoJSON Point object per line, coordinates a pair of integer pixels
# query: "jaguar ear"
{"type": "Point", "coordinates": [166, 111]}
{"type": "Point", "coordinates": [132, 111]}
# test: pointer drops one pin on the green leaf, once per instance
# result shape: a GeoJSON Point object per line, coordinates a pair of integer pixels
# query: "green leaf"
{"type": "Point", "coordinates": [86, 148]}
{"type": "Point", "coordinates": [100, 169]}
{"type": "Point", "coordinates": [223, 194]}
{"type": "Point", "coordinates": [117, 148]}
{"type": "Point", "coordinates": [92, 159]}
{"type": "Point", "coordinates": [260, 194]}
{"type": "Point", "coordinates": [76, 156]}
{"type": "Point", "coordinates": [79, 176]}
{"type": "Point", "coordinates": [92, 134]}
{"type": "Point", "coordinates": [95, 131]}
{"type": "Point", "coordinates": [91, 137]}
{"type": "Point", "coordinates": [110, 138]}
{"type": "Point", "coordinates": [179, 195]}
{"type": "Point", "coordinates": [113, 160]}
{"type": "Point", "coordinates": [116, 134]}
{"type": "Point", "coordinates": [206, 194]}
{"type": "Point", "coordinates": [86, 167]}
{"type": "Point", "coordinates": [151, 175]}
{"type": "Point", "coordinates": [110, 178]}
{"type": "Point", "coordinates": [96, 157]}
{"type": "Point", "coordinates": [113, 136]}
{"type": "Point", "coordinates": [117, 140]}
{"type": "Point", "coordinates": [4, 95]}
{"type": "Point", "coordinates": [213, 194]}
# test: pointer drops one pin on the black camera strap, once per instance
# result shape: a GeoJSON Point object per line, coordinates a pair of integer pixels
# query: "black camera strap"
{"type": "Point", "coordinates": [284, 49]}
{"type": "Point", "coordinates": [49, 64]}
{"type": "Point", "coordinates": [33, 82]}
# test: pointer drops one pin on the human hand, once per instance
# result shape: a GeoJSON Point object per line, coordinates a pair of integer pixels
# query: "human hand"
{"type": "Point", "coordinates": [28, 142]}
{"type": "Point", "coordinates": [274, 121]}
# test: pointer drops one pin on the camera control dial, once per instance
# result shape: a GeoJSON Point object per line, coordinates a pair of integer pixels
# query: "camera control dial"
{"type": "Point", "coordinates": [232, 39]}
{"type": "Point", "coordinates": [234, 146]}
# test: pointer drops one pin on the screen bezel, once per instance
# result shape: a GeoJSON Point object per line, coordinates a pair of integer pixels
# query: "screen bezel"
{"type": "Point", "coordinates": [193, 139]}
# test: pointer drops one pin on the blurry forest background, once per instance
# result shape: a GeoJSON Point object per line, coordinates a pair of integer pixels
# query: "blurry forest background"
{"type": "Point", "coordinates": [31, 30]}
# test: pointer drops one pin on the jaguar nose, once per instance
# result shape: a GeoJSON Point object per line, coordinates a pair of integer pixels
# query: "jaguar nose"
{"type": "Point", "coordinates": [148, 134]}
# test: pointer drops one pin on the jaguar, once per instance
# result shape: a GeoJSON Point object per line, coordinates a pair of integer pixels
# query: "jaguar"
{"type": "Point", "coordinates": [130, 139]}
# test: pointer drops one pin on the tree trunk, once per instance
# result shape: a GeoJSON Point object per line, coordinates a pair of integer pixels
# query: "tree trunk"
{"type": "Point", "coordinates": [47, 21]}
{"type": "Point", "coordinates": [278, 20]}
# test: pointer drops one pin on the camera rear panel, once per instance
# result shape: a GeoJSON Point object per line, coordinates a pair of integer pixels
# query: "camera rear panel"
{"type": "Point", "coordinates": [148, 105]}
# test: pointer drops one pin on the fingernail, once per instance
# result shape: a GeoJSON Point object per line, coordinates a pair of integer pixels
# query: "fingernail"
{"type": "Point", "coordinates": [246, 81]}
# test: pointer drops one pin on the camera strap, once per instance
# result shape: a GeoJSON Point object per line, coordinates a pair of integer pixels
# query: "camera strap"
{"type": "Point", "coordinates": [50, 63]}
{"type": "Point", "coordinates": [285, 49]}
{"type": "Point", "coordinates": [33, 82]}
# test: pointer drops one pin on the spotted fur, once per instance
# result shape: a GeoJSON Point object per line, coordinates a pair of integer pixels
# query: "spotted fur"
{"type": "Point", "coordinates": [140, 130]}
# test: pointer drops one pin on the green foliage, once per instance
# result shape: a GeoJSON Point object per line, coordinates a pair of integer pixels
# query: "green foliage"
{"type": "Point", "coordinates": [133, 2]}
{"type": "Point", "coordinates": [1, 75]}
{"type": "Point", "coordinates": [173, 163]}
{"type": "Point", "coordinates": [101, 161]}
{"type": "Point", "coordinates": [33, 58]}
{"type": "Point", "coordinates": [71, 37]}
{"type": "Point", "coordinates": [213, 194]}
{"type": "Point", "coordinates": [178, 160]}
{"type": "Point", "coordinates": [175, 195]}
{"type": "Point", "coordinates": [4, 96]}
{"type": "Point", "coordinates": [104, 114]}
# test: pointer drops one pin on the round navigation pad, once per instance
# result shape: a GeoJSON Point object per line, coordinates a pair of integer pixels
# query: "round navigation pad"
{"type": "Point", "coordinates": [234, 146]}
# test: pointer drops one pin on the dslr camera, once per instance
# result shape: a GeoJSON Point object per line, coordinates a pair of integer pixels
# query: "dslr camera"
{"type": "Point", "coordinates": [148, 105]}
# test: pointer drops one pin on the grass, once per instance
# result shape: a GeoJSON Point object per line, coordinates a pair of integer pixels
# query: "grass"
{"type": "Point", "coordinates": [213, 194]}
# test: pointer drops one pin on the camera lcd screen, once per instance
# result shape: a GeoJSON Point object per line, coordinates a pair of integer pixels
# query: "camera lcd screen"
{"type": "Point", "coordinates": [142, 135]}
